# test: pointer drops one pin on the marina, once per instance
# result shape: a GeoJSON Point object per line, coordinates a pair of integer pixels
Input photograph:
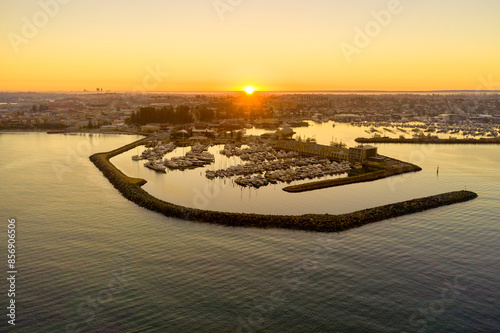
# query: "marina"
{"type": "Point", "coordinates": [321, 223]}
{"type": "Point", "coordinates": [269, 166]}
{"type": "Point", "coordinates": [193, 189]}
{"type": "Point", "coordinates": [268, 162]}
{"type": "Point", "coordinates": [261, 163]}
{"type": "Point", "coordinates": [196, 157]}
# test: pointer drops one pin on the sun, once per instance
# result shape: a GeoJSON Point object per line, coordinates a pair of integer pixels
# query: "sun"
{"type": "Point", "coordinates": [249, 90]}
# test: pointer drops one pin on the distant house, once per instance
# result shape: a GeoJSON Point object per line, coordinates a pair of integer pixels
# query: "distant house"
{"type": "Point", "coordinates": [109, 127]}
{"type": "Point", "coordinates": [119, 123]}
{"type": "Point", "coordinates": [285, 133]}
{"type": "Point", "coordinates": [81, 124]}
{"type": "Point", "coordinates": [203, 132]}
{"type": "Point", "coordinates": [346, 117]}
{"type": "Point", "coordinates": [267, 122]}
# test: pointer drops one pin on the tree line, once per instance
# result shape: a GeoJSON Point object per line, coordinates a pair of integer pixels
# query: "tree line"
{"type": "Point", "coordinates": [168, 114]}
{"type": "Point", "coordinates": [183, 114]}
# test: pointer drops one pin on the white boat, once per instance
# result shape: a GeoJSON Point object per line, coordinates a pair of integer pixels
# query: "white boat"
{"type": "Point", "coordinates": [156, 166]}
{"type": "Point", "coordinates": [197, 162]}
{"type": "Point", "coordinates": [171, 164]}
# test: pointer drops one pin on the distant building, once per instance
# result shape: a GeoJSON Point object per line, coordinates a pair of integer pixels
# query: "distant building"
{"type": "Point", "coordinates": [203, 132]}
{"type": "Point", "coordinates": [346, 117]}
{"type": "Point", "coordinates": [119, 123]}
{"type": "Point", "coordinates": [483, 118]}
{"type": "Point", "coordinates": [81, 124]}
{"type": "Point", "coordinates": [312, 149]}
{"type": "Point", "coordinates": [285, 133]}
{"type": "Point", "coordinates": [317, 117]}
{"type": "Point", "coordinates": [452, 118]}
{"type": "Point", "coordinates": [109, 127]}
{"type": "Point", "coordinates": [151, 127]}
{"type": "Point", "coordinates": [362, 153]}
{"type": "Point", "coordinates": [267, 122]}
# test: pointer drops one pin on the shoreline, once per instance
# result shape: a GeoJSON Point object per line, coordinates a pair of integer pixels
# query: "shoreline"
{"type": "Point", "coordinates": [72, 132]}
{"type": "Point", "coordinates": [131, 189]}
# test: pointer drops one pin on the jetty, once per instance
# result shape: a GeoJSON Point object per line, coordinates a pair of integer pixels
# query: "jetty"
{"type": "Point", "coordinates": [375, 174]}
{"type": "Point", "coordinates": [131, 189]}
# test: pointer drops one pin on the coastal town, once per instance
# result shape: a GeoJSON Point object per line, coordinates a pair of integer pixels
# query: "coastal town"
{"type": "Point", "coordinates": [200, 121]}
{"type": "Point", "coordinates": [212, 115]}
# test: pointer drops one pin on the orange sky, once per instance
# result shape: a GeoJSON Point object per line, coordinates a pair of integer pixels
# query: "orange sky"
{"type": "Point", "coordinates": [197, 45]}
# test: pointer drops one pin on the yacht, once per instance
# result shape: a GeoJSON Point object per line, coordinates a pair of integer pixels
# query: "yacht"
{"type": "Point", "coordinates": [156, 166]}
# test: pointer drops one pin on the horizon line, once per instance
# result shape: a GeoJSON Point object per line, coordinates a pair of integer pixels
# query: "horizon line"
{"type": "Point", "coordinates": [256, 91]}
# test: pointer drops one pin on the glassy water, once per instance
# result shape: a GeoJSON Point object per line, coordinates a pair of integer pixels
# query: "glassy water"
{"type": "Point", "coordinates": [90, 261]}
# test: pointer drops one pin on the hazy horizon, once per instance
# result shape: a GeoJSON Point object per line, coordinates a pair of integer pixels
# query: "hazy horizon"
{"type": "Point", "coordinates": [260, 91]}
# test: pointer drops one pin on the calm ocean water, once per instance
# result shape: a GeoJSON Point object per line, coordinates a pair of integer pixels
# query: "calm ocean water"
{"type": "Point", "coordinates": [90, 261]}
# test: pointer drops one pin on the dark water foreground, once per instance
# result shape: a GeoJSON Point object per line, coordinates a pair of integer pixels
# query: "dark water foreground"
{"type": "Point", "coordinates": [131, 189]}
